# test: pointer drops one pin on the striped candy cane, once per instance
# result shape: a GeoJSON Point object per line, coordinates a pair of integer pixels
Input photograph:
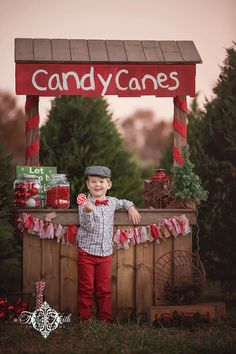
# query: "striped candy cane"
{"type": "Point", "coordinates": [32, 130]}
{"type": "Point", "coordinates": [180, 128]}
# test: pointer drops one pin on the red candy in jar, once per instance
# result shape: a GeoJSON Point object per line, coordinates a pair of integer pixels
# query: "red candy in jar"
{"type": "Point", "coordinates": [26, 191]}
{"type": "Point", "coordinates": [58, 192]}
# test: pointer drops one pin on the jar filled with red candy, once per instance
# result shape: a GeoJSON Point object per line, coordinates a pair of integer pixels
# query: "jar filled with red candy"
{"type": "Point", "coordinates": [26, 191]}
{"type": "Point", "coordinates": [58, 192]}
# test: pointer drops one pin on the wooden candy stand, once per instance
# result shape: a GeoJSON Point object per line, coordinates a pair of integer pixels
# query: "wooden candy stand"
{"type": "Point", "coordinates": [94, 68]}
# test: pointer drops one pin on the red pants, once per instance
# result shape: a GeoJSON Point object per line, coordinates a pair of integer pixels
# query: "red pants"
{"type": "Point", "coordinates": [94, 274]}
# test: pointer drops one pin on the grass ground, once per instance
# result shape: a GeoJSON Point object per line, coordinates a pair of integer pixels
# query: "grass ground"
{"type": "Point", "coordinates": [117, 338]}
{"type": "Point", "coordinates": [131, 337]}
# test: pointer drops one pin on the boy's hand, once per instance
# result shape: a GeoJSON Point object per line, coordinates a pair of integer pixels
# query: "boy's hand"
{"type": "Point", "coordinates": [134, 215]}
{"type": "Point", "coordinates": [88, 206]}
{"type": "Point", "coordinates": [82, 199]}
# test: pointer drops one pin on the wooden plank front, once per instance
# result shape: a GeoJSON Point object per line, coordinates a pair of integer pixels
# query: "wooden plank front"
{"type": "Point", "coordinates": [160, 250]}
{"type": "Point", "coordinates": [144, 278]}
{"type": "Point", "coordinates": [68, 279]}
{"type": "Point", "coordinates": [183, 243]}
{"type": "Point", "coordinates": [183, 270]}
{"type": "Point", "coordinates": [133, 271]}
{"type": "Point", "coordinates": [32, 264]}
{"type": "Point", "coordinates": [51, 272]}
{"type": "Point", "coordinates": [125, 282]}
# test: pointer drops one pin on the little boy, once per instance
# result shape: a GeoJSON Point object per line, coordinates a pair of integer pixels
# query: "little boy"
{"type": "Point", "coordinates": [95, 239]}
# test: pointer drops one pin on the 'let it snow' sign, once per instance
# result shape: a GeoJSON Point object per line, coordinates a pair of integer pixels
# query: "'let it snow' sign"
{"type": "Point", "coordinates": [108, 79]}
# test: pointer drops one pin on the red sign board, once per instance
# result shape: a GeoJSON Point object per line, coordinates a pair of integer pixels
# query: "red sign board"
{"type": "Point", "coordinates": [96, 80]}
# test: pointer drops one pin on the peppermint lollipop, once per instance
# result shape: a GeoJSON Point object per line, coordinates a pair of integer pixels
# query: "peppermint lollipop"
{"type": "Point", "coordinates": [81, 199]}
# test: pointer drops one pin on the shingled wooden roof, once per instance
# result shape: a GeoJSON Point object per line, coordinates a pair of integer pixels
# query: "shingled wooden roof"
{"type": "Point", "coordinates": [105, 51]}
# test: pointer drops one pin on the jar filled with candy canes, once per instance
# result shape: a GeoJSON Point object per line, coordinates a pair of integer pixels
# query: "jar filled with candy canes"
{"type": "Point", "coordinates": [58, 192]}
{"type": "Point", "coordinates": [26, 191]}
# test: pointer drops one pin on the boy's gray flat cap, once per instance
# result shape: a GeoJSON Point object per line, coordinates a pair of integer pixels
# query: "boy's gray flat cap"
{"type": "Point", "coordinates": [98, 171]}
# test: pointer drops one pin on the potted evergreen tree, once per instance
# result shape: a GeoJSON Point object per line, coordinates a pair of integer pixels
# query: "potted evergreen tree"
{"type": "Point", "coordinates": [186, 186]}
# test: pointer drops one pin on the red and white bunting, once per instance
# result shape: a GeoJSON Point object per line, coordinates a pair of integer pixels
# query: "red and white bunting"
{"type": "Point", "coordinates": [123, 238]}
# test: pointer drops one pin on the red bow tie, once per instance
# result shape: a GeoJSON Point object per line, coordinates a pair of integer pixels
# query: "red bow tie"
{"type": "Point", "coordinates": [98, 202]}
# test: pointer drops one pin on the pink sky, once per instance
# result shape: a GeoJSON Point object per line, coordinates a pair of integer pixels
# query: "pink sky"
{"type": "Point", "coordinates": [209, 23]}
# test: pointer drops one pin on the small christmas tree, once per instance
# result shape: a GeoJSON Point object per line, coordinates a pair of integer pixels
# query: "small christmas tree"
{"type": "Point", "coordinates": [10, 246]}
{"type": "Point", "coordinates": [7, 248]}
{"type": "Point", "coordinates": [186, 185]}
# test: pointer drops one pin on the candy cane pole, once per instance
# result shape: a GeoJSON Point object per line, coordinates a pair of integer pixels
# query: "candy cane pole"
{"type": "Point", "coordinates": [180, 128]}
{"type": "Point", "coordinates": [40, 285]}
{"type": "Point", "coordinates": [32, 130]}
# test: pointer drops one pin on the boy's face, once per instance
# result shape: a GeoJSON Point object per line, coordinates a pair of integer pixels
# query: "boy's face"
{"type": "Point", "coordinates": [98, 186]}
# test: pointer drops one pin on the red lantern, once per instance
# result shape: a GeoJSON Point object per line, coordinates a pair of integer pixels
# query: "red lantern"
{"type": "Point", "coordinates": [161, 177]}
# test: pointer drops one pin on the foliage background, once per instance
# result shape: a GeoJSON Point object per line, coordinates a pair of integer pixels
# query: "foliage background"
{"type": "Point", "coordinates": [212, 141]}
{"type": "Point", "coordinates": [79, 133]}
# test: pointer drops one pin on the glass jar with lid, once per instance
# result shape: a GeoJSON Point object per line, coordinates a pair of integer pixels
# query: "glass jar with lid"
{"type": "Point", "coordinates": [26, 191]}
{"type": "Point", "coordinates": [58, 192]}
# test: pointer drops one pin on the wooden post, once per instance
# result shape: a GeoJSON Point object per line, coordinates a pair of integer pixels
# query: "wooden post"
{"type": "Point", "coordinates": [32, 130]}
{"type": "Point", "coordinates": [180, 128]}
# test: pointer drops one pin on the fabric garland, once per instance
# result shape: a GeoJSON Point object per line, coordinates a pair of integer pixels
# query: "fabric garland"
{"type": "Point", "coordinates": [123, 238]}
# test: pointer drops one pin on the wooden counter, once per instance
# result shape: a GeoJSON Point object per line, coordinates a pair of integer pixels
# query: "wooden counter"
{"type": "Point", "coordinates": [149, 216]}
{"type": "Point", "coordinates": [132, 270]}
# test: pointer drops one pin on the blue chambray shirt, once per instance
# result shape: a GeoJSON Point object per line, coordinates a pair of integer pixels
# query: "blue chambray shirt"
{"type": "Point", "coordinates": [95, 234]}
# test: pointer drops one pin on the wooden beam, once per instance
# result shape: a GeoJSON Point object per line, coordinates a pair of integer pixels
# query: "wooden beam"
{"type": "Point", "coordinates": [28, 50]}
{"type": "Point", "coordinates": [149, 216]}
